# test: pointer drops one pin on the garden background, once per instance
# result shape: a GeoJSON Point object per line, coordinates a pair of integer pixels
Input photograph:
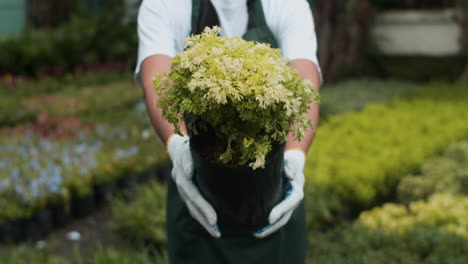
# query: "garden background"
{"type": "Point", "coordinates": [82, 173]}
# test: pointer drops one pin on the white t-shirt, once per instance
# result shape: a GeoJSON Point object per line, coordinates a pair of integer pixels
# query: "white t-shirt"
{"type": "Point", "coordinates": [163, 25]}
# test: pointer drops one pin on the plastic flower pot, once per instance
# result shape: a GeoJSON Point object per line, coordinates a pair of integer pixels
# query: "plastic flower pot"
{"type": "Point", "coordinates": [105, 191]}
{"type": "Point", "coordinates": [82, 205]}
{"type": "Point", "coordinates": [164, 171]}
{"type": "Point", "coordinates": [39, 225]}
{"type": "Point", "coordinates": [61, 214]}
{"type": "Point", "coordinates": [127, 182]}
{"type": "Point", "coordinates": [242, 197]}
{"type": "Point", "coordinates": [12, 231]}
{"type": "Point", "coordinates": [145, 175]}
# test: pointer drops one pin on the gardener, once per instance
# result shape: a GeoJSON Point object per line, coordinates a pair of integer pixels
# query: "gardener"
{"type": "Point", "coordinates": [193, 235]}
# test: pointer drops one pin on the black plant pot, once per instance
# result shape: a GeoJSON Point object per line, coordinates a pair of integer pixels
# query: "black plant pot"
{"type": "Point", "coordinates": [82, 206]}
{"type": "Point", "coordinates": [164, 172]}
{"type": "Point", "coordinates": [39, 225]}
{"type": "Point", "coordinates": [127, 182]}
{"type": "Point", "coordinates": [104, 192]}
{"type": "Point", "coordinates": [242, 197]}
{"type": "Point", "coordinates": [12, 231]}
{"type": "Point", "coordinates": [61, 214]}
{"type": "Point", "coordinates": [145, 176]}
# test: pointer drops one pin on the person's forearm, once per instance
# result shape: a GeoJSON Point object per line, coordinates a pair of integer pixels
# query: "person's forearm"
{"type": "Point", "coordinates": [307, 71]}
{"type": "Point", "coordinates": [150, 67]}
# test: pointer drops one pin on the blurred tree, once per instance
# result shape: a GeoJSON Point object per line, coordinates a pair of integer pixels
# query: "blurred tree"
{"type": "Point", "coordinates": [343, 29]}
{"type": "Point", "coordinates": [464, 39]}
{"type": "Point", "coordinates": [48, 13]}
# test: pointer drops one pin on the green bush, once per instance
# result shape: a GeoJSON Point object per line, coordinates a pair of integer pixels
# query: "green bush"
{"type": "Point", "coordinates": [144, 217]}
{"type": "Point", "coordinates": [445, 174]}
{"type": "Point", "coordinates": [105, 38]}
{"type": "Point", "coordinates": [433, 232]}
{"type": "Point", "coordinates": [361, 157]}
{"type": "Point", "coordinates": [445, 212]}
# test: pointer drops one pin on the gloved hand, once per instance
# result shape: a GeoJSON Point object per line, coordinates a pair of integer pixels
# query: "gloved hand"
{"type": "Point", "coordinates": [279, 216]}
{"type": "Point", "coordinates": [182, 173]}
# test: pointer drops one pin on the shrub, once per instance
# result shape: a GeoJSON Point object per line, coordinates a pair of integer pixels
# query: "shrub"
{"type": "Point", "coordinates": [105, 38]}
{"type": "Point", "coordinates": [361, 157]}
{"type": "Point", "coordinates": [144, 217]}
{"type": "Point", "coordinates": [445, 174]}
{"type": "Point", "coordinates": [243, 89]}
{"type": "Point", "coordinates": [433, 232]}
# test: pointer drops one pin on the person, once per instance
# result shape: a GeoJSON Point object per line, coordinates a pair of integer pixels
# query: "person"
{"type": "Point", "coordinates": [193, 235]}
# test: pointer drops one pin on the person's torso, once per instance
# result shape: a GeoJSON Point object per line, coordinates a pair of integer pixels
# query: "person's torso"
{"type": "Point", "coordinates": [233, 17]}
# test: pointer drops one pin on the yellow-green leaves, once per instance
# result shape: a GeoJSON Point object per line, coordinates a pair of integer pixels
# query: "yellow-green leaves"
{"type": "Point", "coordinates": [244, 89]}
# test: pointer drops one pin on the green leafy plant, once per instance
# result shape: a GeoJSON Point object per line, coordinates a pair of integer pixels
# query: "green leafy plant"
{"type": "Point", "coordinates": [361, 157]}
{"type": "Point", "coordinates": [433, 232]}
{"type": "Point", "coordinates": [445, 174]}
{"type": "Point", "coordinates": [245, 90]}
{"type": "Point", "coordinates": [143, 218]}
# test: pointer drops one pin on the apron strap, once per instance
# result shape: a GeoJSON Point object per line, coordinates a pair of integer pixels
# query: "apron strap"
{"type": "Point", "coordinates": [203, 15]}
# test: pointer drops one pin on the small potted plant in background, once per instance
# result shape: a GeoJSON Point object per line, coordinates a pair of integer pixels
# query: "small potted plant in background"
{"type": "Point", "coordinates": [239, 100]}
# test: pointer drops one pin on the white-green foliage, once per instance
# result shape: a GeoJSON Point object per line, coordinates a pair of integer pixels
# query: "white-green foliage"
{"type": "Point", "coordinates": [445, 174]}
{"type": "Point", "coordinates": [244, 89]}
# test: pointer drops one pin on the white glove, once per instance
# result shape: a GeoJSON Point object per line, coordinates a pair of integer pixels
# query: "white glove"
{"type": "Point", "coordinates": [279, 216]}
{"type": "Point", "coordinates": [182, 173]}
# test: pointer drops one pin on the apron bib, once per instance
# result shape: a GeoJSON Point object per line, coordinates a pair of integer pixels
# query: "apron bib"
{"type": "Point", "coordinates": [188, 242]}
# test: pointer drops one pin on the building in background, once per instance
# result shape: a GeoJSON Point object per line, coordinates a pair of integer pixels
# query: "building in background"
{"type": "Point", "coordinates": [18, 15]}
{"type": "Point", "coordinates": [12, 17]}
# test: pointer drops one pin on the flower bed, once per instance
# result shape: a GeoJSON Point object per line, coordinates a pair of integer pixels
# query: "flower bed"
{"type": "Point", "coordinates": [69, 102]}
{"type": "Point", "coordinates": [433, 232]}
{"type": "Point", "coordinates": [40, 176]}
{"type": "Point", "coordinates": [359, 158]}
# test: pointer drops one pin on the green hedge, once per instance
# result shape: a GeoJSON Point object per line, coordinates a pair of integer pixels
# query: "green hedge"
{"type": "Point", "coordinates": [105, 38]}
{"type": "Point", "coordinates": [359, 158]}
{"type": "Point", "coordinates": [433, 232]}
{"type": "Point", "coordinates": [445, 174]}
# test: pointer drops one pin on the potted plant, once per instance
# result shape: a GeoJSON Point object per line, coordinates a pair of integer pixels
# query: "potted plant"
{"type": "Point", "coordinates": [239, 100]}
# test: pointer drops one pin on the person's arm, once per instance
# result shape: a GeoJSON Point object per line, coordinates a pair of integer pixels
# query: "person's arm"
{"type": "Point", "coordinates": [307, 71]}
{"type": "Point", "coordinates": [156, 48]}
{"type": "Point", "coordinates": [150, 67]}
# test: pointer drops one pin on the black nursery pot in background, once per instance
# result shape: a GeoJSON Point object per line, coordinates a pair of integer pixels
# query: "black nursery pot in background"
{"type": "Point", "coordinates": [242, 197]}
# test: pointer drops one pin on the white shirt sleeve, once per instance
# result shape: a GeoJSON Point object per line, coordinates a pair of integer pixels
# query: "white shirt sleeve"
{"type": "Point", "coordinates": [296, 31]}
{"type": "Point", "coordinates": [155, 32]}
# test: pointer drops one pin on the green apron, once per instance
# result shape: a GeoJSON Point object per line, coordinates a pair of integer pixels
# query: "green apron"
{"type": "Point", "coordinates": [188, 242]}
